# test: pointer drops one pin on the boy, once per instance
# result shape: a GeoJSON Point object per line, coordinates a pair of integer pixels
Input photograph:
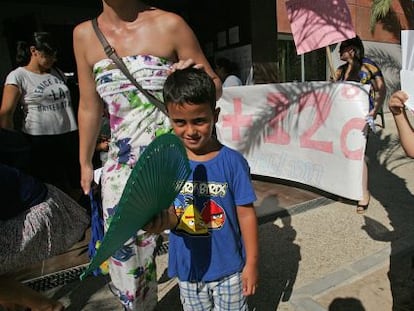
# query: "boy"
{"type": "Point", "coordinates": [213, 249]}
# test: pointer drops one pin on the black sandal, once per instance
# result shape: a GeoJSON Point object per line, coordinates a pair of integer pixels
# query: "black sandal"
{"type": "Point", "coordinates": [361, 208]}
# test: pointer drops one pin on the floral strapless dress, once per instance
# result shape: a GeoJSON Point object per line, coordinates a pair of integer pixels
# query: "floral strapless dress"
{"type": "Point", "coordinates": [134, 123]}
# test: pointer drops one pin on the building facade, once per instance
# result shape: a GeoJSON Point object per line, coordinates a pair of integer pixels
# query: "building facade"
{"type": "Point", "coordinates": [254, 33]}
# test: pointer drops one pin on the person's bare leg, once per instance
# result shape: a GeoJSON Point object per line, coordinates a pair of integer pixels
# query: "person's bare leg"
{"type": "Point", "coordinates": [364, 202]}
{"type": "Point", "coordinates": [14, 294]}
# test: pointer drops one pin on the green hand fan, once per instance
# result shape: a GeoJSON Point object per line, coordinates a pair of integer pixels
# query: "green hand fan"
{"type": "Point", "coordinates": [154, 183]}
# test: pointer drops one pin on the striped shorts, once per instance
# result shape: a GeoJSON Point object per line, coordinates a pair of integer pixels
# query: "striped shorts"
{"type": "Point", "coordinates": [225, 294]}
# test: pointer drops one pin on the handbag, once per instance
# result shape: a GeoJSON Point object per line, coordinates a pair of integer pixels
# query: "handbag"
{"type": "Point", "coordinates": [111, 53]}
{"type": "Point", "coordinates": [97, 231]}
{"type": "Point", "coordinates": [15, 149]}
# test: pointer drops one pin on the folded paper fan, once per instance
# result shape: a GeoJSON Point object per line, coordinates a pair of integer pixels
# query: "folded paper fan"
{"type": "Point", "coordinates": [154, 183]}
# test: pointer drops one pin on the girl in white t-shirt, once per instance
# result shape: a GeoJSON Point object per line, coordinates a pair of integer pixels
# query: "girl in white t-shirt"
{"type": "Point", "coordinates": [38, 90]}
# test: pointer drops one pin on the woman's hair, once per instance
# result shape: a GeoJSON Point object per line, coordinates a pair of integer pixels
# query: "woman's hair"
{"type": "Point", "coordinates": [42, 41]}
{"type": "Point", "coordinates": [357, 45]}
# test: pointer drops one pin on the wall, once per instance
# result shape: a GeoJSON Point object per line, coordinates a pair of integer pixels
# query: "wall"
{"type": "Point", "coordinates": [383, 45]}
{"type": "Point", "coordinates": [360, 10]}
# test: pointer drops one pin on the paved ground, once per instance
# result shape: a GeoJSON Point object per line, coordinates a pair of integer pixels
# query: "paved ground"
{"type": "Point", "coordinates": [317, 254]}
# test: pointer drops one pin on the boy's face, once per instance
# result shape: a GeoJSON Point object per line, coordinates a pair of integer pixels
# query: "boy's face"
{"type": "Point", "coordinates": [193, 124]}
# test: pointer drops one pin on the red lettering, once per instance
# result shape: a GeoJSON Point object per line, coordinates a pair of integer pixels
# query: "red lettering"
{"type": "Point", "coordinates": [280, 103]}
{"type": "Point", "coordinates": [237, 120]}
{"type": "Point", "coordinates": [350, 91]}
{"type": "Point", "coordinates": [353, 124]}
{"type": "Point", "coordinates": [321, 102]}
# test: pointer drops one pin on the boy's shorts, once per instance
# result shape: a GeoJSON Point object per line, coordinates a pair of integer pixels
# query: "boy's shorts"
{"type": "Point", "coordinates": [224, 294]}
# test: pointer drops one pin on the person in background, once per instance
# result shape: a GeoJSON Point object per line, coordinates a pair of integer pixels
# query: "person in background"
{"type": "Point", "coordinates": [214, 256]}
{"type": "Point", "coordinates": [404, 127]}
{"type": "Point", "coordinates": [226, 70]}
{"type": "Point", "coordinates": [152, 43]}
{"type": "Point", "coordinates": [361, 69]}
{"type": "Point", "coordinates": [38, 89]}
{"type": "Point", "coordinates": [102, 145]}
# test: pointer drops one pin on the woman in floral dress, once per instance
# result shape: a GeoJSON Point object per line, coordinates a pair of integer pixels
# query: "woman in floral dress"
{"type": "Point", "coordinates": [151, 42]}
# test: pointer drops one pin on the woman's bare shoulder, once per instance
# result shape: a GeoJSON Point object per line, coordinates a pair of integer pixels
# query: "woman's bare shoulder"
{"type": "Point", "coordinates": [82, 28]}
{"type": "Point", "coordinates": [82, 33]}
{"type": "Point", "coordinates": [167, 19]}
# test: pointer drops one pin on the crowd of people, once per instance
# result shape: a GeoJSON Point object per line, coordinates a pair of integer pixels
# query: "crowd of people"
{"type": "Point", "coordinates": [216, 266]}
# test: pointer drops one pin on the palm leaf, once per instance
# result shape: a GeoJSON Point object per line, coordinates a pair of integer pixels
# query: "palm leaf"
{"type": "Point", "coordinates": [154, 183]}
{"type": "Point", "coordinates": [379, 10]}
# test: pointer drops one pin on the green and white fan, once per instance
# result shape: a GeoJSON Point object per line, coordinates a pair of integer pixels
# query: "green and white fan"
{"type": "Point", "coordinates": [154, 183]}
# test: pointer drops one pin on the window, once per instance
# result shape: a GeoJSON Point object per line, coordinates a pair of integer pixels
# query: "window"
{"type": "Point", "coordinates": [306, 67]}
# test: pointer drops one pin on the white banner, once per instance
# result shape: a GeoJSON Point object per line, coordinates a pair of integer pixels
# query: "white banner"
{"type": "Point", "coordinates": [311, 133]}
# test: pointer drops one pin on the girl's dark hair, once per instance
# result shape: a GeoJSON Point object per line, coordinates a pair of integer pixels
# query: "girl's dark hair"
{"type": "Point", "coordinates": [42, 41]}
{"type": "Point", "coordinates": [190, 85]}
{"type": "Point", "coordinates": [357, 45]}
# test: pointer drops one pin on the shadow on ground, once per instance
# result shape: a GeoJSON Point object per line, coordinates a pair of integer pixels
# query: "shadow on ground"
{"type": "Point", "coordinates": [385, 157]}
{"type": "Point", "coordinates": [277, 273]}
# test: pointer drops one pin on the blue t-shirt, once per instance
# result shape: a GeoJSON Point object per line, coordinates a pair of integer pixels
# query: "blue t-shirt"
{"type": "Point", "coordinates": [207, 243]}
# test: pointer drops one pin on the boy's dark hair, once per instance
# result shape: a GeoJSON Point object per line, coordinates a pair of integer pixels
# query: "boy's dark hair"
{"type": "Point", "coordinates": [42, 41]}
{"type": "Point", "coordinates": [189, 85]}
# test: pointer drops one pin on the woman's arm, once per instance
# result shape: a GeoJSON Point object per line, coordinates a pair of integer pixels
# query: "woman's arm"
{"type": "Point", "coordinates": [404, 127]}
{"type": "Point", "coordinates": [90, 106]}
{"type": "Point", "coordinates": [11, 95]}
{"type": "Point", "coordinates": [249, 233]}
{"type": "Point", "coordinates": [378, 83]}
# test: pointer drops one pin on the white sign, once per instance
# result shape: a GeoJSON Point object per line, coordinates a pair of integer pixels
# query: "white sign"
{"type": "Point", "coordinates": [311, 132]}
{"type": "Point", "coordinates": [407, 66]}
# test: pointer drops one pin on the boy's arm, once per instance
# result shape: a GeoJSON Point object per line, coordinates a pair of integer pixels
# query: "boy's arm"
{"type": "Point", "coordinates": [249, 232]}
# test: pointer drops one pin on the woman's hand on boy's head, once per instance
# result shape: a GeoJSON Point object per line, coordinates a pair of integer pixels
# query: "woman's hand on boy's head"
{"type": "Point", "coordinates": [182, 64]}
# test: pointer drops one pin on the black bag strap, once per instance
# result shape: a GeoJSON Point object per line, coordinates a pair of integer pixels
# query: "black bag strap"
{"type": "Point", "coordinates": [111, 53]}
